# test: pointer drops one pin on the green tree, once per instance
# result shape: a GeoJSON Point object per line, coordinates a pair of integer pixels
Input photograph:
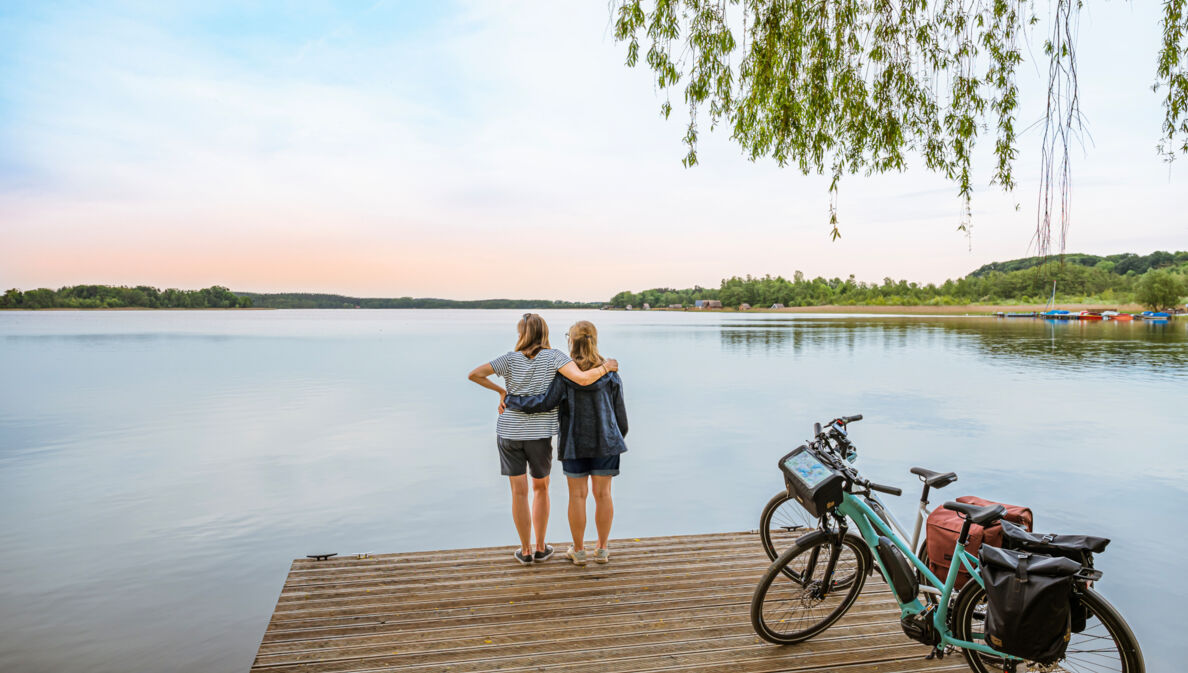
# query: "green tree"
{"type": "Point", "coordinates": [11, 299]}
{"type": "Point", "coordinates": [1160, 289]}
{"type": "Point", "coordinates": [851, 86]}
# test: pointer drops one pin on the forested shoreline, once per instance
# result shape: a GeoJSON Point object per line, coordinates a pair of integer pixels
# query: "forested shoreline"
{"type": "Point", "coordinates": [143, 296]}
{"type": "Point", "coordinates": [1158, 280]}
{"type": "Point", "coordinates": [311, 300]}
{"type": "Point", "coordinates": [108, 296]}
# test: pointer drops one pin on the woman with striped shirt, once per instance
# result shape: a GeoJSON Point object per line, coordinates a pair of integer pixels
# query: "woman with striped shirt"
{"type": "Point", "coordinates": [525, 440]}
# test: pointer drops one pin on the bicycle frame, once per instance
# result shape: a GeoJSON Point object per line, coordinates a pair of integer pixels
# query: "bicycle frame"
{"type": "Point", "coordinates": [870, 526]}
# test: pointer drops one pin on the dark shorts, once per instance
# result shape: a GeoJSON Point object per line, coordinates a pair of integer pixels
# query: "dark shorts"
{"type": "Point", "coordinates": [517, 456]}
{"type": "Point", "coordinates": [607, 466]}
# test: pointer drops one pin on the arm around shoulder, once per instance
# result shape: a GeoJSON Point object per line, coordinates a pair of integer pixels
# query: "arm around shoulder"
{"type": "Point", "coordinates": [584, 378]}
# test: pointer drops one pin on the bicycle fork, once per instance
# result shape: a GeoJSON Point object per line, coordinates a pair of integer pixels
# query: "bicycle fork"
{"type": "Point", "coordinates": [830, 565]}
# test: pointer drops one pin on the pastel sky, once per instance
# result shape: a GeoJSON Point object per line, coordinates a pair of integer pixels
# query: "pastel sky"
{"type": "Point", "coordinates": [485, 149]}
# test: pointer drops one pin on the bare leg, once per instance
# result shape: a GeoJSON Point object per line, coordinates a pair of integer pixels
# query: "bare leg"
{"type": "Point", "coordinates": [520, 513]}
{"type": "Point", "coordinates": [577, 510]}
{"type": "Point", "coordinates": [540, 510]}
{"type": "Point", "coordinates": [604, 508]}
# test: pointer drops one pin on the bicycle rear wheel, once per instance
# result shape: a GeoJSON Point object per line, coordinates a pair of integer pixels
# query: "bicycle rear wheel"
{"type": "Point", "coordinates": [1105, 645]}
{"type": "Point", "coordinates": [783, 520]}
{"type": "Point", "coordinates": [795, 600]}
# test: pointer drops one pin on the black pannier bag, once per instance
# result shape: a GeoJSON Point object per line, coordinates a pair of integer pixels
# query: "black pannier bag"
{"type": "Point", "coordinates": [1079, 548]}
{"type": "Point", "coordinates": [1028, 598]}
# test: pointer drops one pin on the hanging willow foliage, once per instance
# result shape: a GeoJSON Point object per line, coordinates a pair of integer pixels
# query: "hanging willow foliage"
{"type": "Point", "coordinates": [838, 87]}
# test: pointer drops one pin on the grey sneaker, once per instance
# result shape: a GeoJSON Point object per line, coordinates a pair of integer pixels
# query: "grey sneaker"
{"type": "Point", "coordinates": [523, 559]}
{"type": "Point", "coordinates": [601, 555]}
{"type": "Point", "coordinates": [542, 556]}
{"type": "Point", "coordinates": [578, 556]}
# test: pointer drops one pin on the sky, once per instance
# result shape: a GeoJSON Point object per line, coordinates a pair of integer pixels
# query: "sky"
{"type": "Point", "coordinates": [482, 149]}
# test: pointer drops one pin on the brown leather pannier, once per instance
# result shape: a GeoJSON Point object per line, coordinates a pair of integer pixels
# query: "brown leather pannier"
{"type": "Point", "coordinates": [944, 527]}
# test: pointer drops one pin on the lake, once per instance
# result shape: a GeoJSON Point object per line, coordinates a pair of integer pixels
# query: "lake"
{"type": "Point", "coordinates": [159, 470]}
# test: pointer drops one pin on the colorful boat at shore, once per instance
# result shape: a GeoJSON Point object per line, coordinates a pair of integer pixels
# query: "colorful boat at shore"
{"type": "Point", "coordinates": [1089, 315]}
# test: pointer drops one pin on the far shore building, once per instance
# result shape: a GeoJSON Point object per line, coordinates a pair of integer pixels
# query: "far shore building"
{"type": "Point", "coordinates": [676, 307]}
{"type": "Point", "coordinates": [628, 307]}
{"type": "Point", "coordinates": [711, 303]}
{"type": "Point", "coordinates": [646, 307]}
{"type": "Point", "coordinates": [777, 306]}
{"type": "Point", "coordinates": [744, 307]}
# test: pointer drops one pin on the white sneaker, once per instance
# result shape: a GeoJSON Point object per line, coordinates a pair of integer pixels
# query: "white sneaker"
{"type": "Point", "coordinates": [578, 556]}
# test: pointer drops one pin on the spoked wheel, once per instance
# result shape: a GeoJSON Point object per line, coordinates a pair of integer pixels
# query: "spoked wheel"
{"type": "Point", "coordinates": [1106, 645]}
{"type": "Point", "coordinates": [783, 520]}
{"type": "Point", "coordinates": [782, 523]}
{"type": "Point", "coordinates": [795, 600]}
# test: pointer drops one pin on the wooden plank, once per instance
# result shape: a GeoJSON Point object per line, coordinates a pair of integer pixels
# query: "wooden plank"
{"type": "Point", "coordinates": [674, 603]}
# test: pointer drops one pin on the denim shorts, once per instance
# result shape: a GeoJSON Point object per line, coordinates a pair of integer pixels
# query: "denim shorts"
{"type": "Point", "coordinates": [607, 466]}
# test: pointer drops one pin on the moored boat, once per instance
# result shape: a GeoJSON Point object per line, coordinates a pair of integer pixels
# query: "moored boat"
{"type": "Point", "coordinates": [1089, 315]}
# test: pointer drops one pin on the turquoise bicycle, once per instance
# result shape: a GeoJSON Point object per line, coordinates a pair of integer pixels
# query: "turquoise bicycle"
{"type": "Point", "coordinates": [812, 583]}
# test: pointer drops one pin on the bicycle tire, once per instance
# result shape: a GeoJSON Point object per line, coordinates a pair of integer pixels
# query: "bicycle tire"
{"type": "Point", "coordinates": [787, 515]}
{"type": "Point", "coordinates": [1104, 623]}
{"type": "Point", "coordinates": [786, 590]}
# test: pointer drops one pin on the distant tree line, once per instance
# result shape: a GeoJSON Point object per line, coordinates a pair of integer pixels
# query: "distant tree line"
{"type": "Point", "coordinates": [107, 296]}
{"type": "Point", "coordinates": [1158, 280]}
{"type": "Point", "coordinates": [306, 300]}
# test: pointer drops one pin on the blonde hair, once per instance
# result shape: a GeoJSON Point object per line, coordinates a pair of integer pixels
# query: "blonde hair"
{"type": "Point", "coordinates": [534, 334]}
{"type": "Point", "coordinates": [583, 345]}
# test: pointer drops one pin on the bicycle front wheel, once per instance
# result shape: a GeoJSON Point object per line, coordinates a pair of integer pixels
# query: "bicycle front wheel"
{"type": "Point", "coordinates": [1105, 645]}
{"type": "Point", "coordinates": [797, 598]}
{"type": "Point", "coordinates": [783, 520]}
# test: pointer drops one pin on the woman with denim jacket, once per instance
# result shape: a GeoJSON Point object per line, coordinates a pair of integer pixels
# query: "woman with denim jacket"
{"type": "Point", "coordinates": [593, 422]}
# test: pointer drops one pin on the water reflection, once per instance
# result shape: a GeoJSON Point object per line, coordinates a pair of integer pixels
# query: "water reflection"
{"type": "Point", "coordinates": [1157, 348]}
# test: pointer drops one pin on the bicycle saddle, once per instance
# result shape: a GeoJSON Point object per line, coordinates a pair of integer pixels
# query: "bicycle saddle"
{"type": "Point", "coordinates": [983, 516]}
{"type": "Point", "coordinates": [935, 479]}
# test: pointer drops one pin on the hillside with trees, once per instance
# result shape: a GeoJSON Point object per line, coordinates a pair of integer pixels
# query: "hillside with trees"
{"type": "Point", "coordinates": [1158, 280]}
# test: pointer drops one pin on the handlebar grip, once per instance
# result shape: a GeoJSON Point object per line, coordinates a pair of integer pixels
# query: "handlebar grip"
{"type": "Point", "coordinates": [851, 419]}
{"type": "Point", "coordinates": [816, 429]}
{"type": "Point", "coordinates": [889, 490]}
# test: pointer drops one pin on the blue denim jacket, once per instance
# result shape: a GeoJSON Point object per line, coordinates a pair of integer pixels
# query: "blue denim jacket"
{"type": "Point", "coordinates": [593, 418]}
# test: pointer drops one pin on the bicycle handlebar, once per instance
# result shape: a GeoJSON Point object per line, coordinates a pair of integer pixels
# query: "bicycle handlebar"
{"type": "Point", "coordinates": [821, 440]}
{"type": "Point", "coordinates": [889, 490]}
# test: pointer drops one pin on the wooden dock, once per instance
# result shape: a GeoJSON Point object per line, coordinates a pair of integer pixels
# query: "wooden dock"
{"type": "Point", "coordinates": [661, 604]}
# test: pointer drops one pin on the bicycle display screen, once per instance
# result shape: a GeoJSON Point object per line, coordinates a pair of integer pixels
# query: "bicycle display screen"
{"type": "Point", "coordinates": [807, 468]}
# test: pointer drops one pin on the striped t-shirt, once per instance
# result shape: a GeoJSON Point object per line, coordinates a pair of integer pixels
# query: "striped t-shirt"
{"type": "Point", "coordinates": [528, 376]}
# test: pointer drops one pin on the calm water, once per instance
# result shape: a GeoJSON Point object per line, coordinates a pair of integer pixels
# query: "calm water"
{"type": "Point", "coordinates": [159, 470]}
